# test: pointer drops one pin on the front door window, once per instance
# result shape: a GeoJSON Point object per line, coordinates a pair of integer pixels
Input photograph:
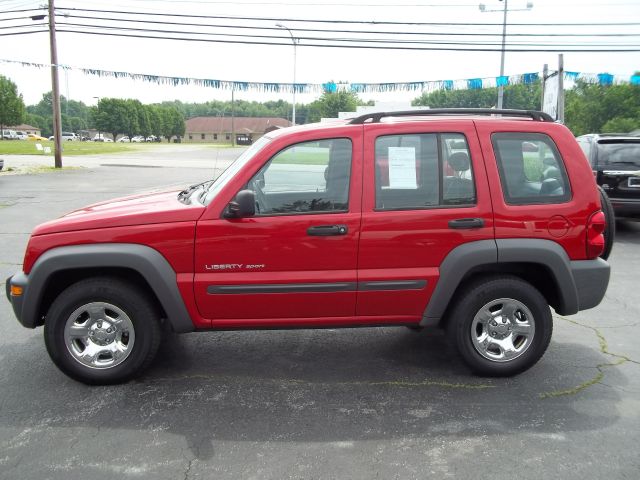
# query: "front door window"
{"type": "Point", "coordinates": [310, 177]}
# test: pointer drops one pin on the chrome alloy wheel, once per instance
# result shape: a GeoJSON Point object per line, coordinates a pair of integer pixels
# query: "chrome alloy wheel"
{"type": "Point", "coordinates": [503, 329]}
{"type": "Point", "coordinates": [99, 335]}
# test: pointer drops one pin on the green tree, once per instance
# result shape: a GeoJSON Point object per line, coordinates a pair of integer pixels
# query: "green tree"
{"type": "Point", "coordinates": [44, 124]}
{"type": "Point", "coordinates": [172, 122]}
{"type": "Point", "coordinates": [130, 124]}
{"type": "Point", "coordinates": [75, 115]}
{"type": "Point", "coordinates": [144, 120]}
{"type": "Point", "coordinates": [331, 103]}
{"type": "Point", "coordinates": [156, 124]}
{"type": "Point", "coordinates": [111, 116]}
{"type": "Point", "coordinates": [621, 125]}
{"type": "Point", "coordinates": [588, 107]}
{"type": "Point", "coordinates": [524, 97]}
{"type": "Point", "coordinates": [12, 109]}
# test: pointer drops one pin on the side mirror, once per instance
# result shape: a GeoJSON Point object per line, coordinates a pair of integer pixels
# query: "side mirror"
{"type": "Point", "coordinates": [244, 205]}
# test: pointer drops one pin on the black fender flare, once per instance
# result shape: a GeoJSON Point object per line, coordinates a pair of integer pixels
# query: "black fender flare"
{"type": "Point", "coordinates": [149, 263]}
{"type": "Point", "coordinates": [469, 256]}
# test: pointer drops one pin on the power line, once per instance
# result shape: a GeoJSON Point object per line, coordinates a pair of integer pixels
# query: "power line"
{"type": "Point", "coordinates": [26, 25]}
{"type": "Point", "coordinates": [329, 4]}
{"type": "Point", "coordinates": [334, 39]}
{"type": "Point", "coordinates": [367, 22]}
{"type": "Point", "coordinates": [372, 32]}
{"type": "Point", "coordinates": [376, 47]}
{"type": "Point", "coordinates": [313, 3]}
{"type": "Point", "coordinates": [21, 11]}
{"type": "Point", "coordinates": [23, 33]}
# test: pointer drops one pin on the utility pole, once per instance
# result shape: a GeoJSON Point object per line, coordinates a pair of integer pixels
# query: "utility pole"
{"type": "Point", "coordinates": [545, 74]}
{"type": "Point", "coordinates": [504, 41]}
{"type": "Point", "coordinates": [233, 117]}
{"type": "Point", "coordinates": [55, 100]}
{"type": "Point", "coordinates": [483, 8]}
{"type": "Point", "coordinates": [561, 88]}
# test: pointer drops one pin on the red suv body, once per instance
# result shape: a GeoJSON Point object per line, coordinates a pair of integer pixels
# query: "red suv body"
{"type": "Point", "coordinates": [470, 222]}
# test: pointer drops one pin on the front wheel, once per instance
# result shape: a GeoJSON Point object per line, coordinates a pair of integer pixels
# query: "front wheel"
{"type": "Point", "coordinates": [102, 331]}
{"type": "Point", "coordinates": [500, 326]}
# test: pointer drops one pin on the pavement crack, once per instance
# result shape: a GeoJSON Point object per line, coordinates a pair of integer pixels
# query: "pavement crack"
{"type": "Point", "coordinates": [189, 461]}
{"type": "Point", "coordinates": [601, 367]}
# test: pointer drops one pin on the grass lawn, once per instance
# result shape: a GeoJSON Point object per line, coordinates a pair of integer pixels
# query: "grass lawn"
{"type": "Point", "coordinates": [304, 156]}
{"type": "Point", "coordinates": [28, 147]}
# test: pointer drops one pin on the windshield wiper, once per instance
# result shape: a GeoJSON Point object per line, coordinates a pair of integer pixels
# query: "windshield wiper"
{"type": "Point", "coordinates": [187, 191]}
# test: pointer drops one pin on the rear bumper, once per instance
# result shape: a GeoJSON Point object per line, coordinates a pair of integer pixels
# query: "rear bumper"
{"type": "Point", "coordinates": [17, 302]}
{"type": "Point", "coordinates": [591, 278]}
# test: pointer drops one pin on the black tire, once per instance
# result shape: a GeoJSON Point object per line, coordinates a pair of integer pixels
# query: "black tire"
{"type": "Point", "coordinates": [140, 340]}
{"type": "Point", "coordinates": [610, 226]}
{"type": "Point", "coordinates": [465, 333]}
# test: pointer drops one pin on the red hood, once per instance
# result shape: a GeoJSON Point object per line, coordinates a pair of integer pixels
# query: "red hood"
{"type": "Point", "coordinates": [147, 208]}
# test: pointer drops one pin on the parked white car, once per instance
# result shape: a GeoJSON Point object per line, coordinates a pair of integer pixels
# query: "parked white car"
{"type": "Point", "coordinates": [9, 135]}
{"type": "Point", "coordinates": [21, 135]}
{"type": "Point", "coordinates": [66, 137]}
{"type": "Point", "coordinates": [123, 139]}
{"type": "Point", "coordinates": [137, 139]}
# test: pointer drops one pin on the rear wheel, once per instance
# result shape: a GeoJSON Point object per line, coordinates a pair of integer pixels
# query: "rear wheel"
{"type": "Point", "coordinates": [501, 326]}
{"type": "Point", "coordinates": [102, 331]}
{"type": "Point", "coordinates": [610, 223]}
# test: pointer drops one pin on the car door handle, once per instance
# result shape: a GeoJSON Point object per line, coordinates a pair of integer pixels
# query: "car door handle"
{"type": "Point", "coordinates": [327, 230]}
{"type": "Point", "coordinates": [462, 223]}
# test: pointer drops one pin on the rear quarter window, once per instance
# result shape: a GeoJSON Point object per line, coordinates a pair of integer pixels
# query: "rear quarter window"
{"type": "Point", "coordinates": [531, 169]}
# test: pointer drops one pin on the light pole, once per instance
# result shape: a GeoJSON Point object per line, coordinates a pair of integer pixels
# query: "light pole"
{"type": "Point", "coordinates": [483, 8]}
{"type": "Point", "coordinates": [295, 44]}
{"type": "Point", "coordinates": [98, 110]}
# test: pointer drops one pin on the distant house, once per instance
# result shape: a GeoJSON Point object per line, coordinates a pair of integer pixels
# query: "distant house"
{"type": "Point", "coordinates": [220, 129]}
{"type": "Point", "coordinates": [25, 128]}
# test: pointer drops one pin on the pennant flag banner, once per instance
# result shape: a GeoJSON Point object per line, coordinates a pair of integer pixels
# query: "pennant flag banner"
{"type": "Point", "coordinates": [604, 79]}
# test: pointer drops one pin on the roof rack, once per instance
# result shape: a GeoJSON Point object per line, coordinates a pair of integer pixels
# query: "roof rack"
{"type": "Point", "coordinates": [377, 116]}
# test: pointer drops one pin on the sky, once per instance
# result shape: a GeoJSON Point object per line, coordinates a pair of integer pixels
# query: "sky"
{"type": "Point", "coordinates": [274, 63]}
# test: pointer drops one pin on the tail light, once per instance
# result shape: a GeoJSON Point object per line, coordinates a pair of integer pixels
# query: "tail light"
{"type": "Point", "coordinates": [595, 235]}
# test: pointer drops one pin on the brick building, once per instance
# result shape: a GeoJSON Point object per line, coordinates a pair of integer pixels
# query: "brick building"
{"type": "Point", "coordinates": [219, 129]}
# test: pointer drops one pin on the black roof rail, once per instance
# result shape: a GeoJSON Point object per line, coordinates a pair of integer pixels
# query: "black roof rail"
{"type": "Point", "coordinates": [377, 116]}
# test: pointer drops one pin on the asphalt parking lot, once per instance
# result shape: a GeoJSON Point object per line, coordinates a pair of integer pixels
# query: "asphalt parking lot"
{"type": "Point", "coordinates": [331, 404]}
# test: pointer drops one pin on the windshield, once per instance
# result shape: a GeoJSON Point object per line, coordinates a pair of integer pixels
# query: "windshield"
{"type": "Point", "coordinates": [233, 169]}
{"type": "Point", "coordinates": [619, 153]}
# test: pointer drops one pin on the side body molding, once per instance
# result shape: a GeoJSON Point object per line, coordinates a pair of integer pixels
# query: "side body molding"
{"type": "Point", "coordinates": [145, 260]}
{"type": "Point", "coordinates": [464, 258]}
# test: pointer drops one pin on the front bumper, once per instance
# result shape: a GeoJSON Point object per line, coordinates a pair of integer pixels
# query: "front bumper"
{"type": "Point", "coordinates": [17, 302]}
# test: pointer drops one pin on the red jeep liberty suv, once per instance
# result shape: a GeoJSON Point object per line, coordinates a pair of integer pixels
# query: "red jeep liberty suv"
{"type": "Point", "coordinates": [477, 221]}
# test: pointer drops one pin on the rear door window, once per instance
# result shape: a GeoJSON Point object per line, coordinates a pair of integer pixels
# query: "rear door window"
{"type": "Point", "coordinates": [414, 171]}
{"type": "Point", "coordinates": [531, 169]}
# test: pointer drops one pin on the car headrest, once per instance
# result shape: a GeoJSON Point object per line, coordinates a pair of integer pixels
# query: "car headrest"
{"type": "Point", "coordinates": [459, 161]}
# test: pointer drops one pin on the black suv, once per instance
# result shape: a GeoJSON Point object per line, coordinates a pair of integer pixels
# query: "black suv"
{"type": "Point", "coordinates": [615, 161]}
